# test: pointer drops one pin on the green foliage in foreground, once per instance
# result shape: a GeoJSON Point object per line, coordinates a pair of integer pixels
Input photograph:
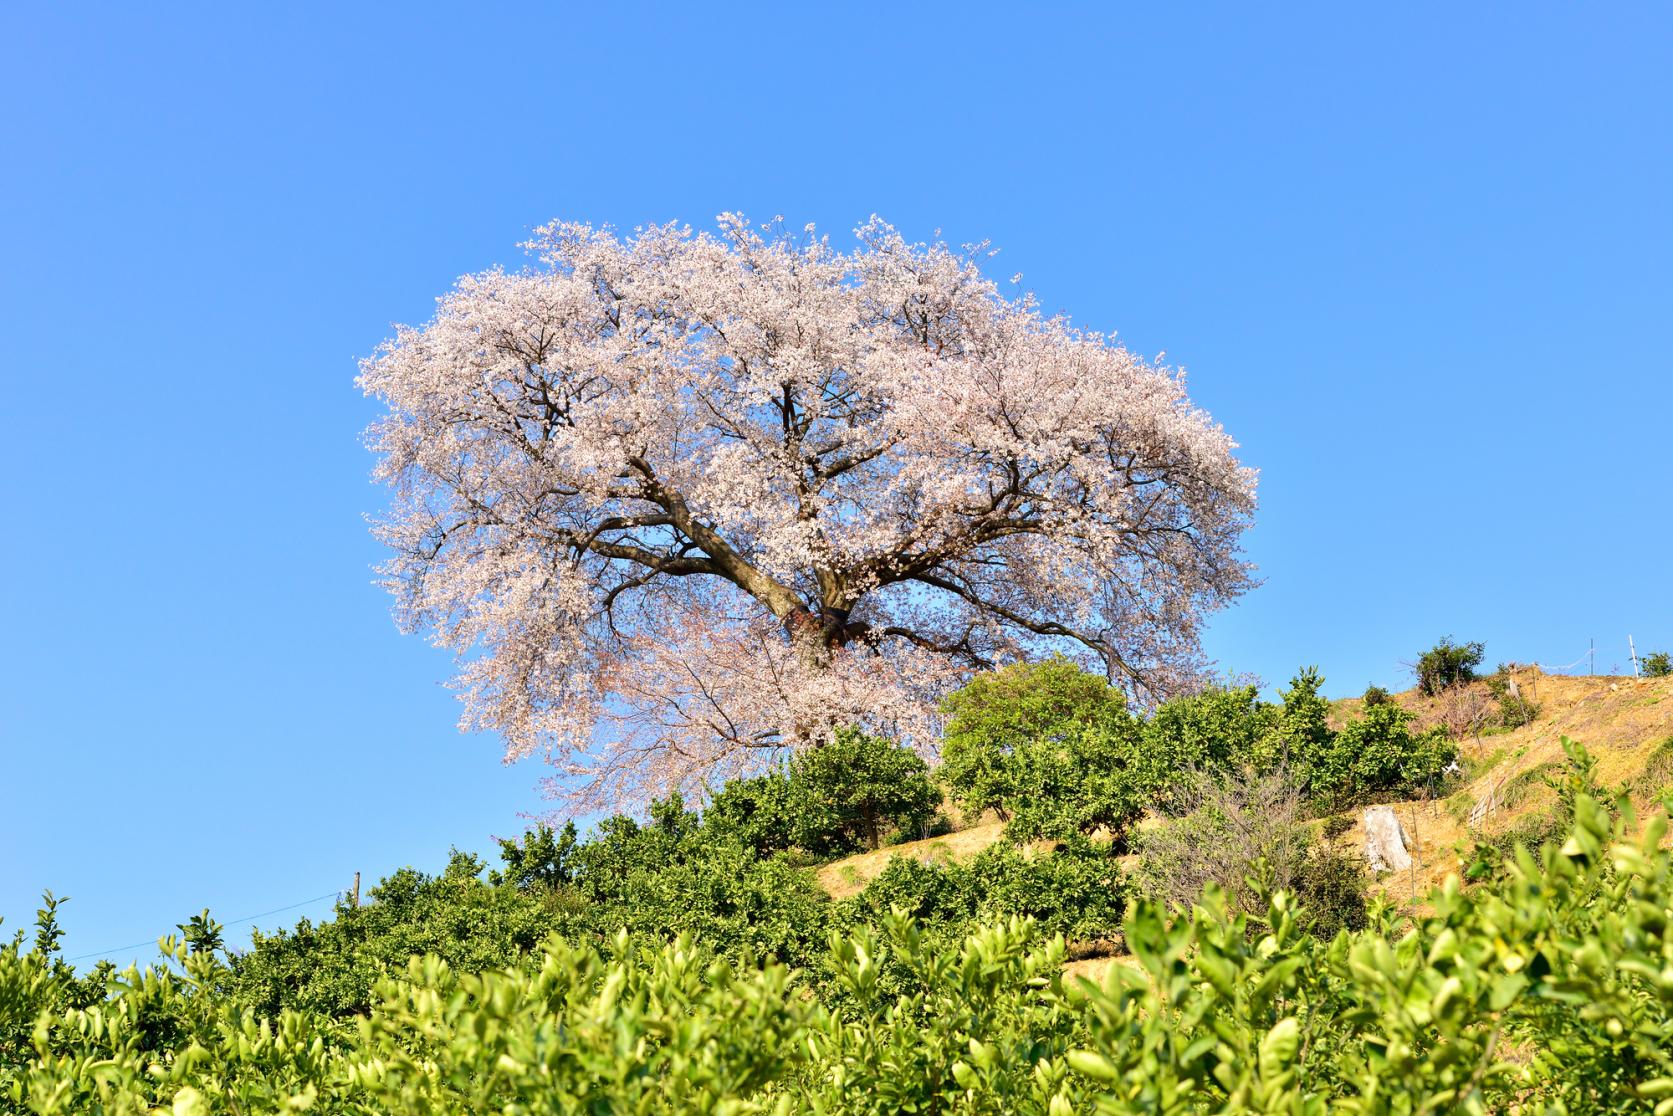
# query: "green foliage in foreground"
{"type": "Point", "coordinates": [1551, 991]}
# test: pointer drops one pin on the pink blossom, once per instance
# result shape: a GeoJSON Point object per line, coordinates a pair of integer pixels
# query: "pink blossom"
{"type": "Point", "coordinates": [677, 500]}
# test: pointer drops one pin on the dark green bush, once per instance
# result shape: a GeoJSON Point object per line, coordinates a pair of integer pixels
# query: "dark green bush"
{"type": "Point", "coordinates": [854, 791]}
{"type": "Point", "coordinates": [1076, 889]}
{"type": "Point", "coordinates": [330, 967]}
{"type": "Point", "coordinates": [1378, 755]}
{"type": "Point", "coordinates": [1050, 748]}
{"type": "Point", "coordinates": [759, 813]}
{"type": "Point", "coordinates": [1656, 664]}
{"type": "Point", "coordinates": [1448, 664]}
{"type": "Point", "coordinates": [1299, 735]}
{"type": "Point", "coordinates": [1376, 695]}
{"type": "Point", "coordinates": [1214, 728]}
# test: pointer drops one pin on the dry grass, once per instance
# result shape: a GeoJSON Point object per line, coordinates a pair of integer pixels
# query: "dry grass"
{"type": "Point", "coordinates": [1619, 720]}
{"type": "Point", "coordinates": [1097, 969]}
{"type": "Point", "coordinates": [842, 878]}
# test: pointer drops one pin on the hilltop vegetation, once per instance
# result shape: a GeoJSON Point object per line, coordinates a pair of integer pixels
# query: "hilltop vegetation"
{"type": "Point", "coordinates": [800, 944]}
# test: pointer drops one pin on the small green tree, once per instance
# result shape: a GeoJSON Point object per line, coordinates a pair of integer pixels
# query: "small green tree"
{"type": "Point", "coordinates": [1300, 733]}
{"type": "Point", "coordinates": [1000, 713]}
{"type": "Point", "coordinates": [543, 857]}
{"type": "Point", "coordinates": [1657, 664]}
{"type": "Point", "coordinates": [760, 812]}
{"type": "Point", "coordinates": [856, 789]}
{"type": "Point", "coordinates": [1378, 753]}
{"type": "Point", "coordinates": [1092, 779]}
{"type": "Point", "coordinates": [1214, 728]}
{"type": "Point", "coordinates": [1447, 664]}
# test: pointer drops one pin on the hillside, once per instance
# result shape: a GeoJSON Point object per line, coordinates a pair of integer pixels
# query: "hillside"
{"type": "Point", "coordinates": [1621, 720]}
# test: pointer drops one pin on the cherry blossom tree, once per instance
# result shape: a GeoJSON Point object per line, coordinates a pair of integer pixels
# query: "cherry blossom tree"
{"type": "Point", "coordinates": [678, 500]}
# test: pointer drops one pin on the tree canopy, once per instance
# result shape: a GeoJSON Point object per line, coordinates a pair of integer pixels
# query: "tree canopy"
{"type": "Point", "coordinates": [676, 498]}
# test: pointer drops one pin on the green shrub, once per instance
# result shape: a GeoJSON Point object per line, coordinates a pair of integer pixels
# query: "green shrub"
{"type": "Point", "coordinates": [1378, 754]}
{"type": "Point", "coordinates": [1076, 890]}
{"type": "Point", "coordinates": [856, 790]}
{"type": "Point", "coordinates": [1656, 664]}
{"type": "Point", "coordinates": [1214, 728]}
{"type": "Point", "coordinates": [1376, 695]}
{"type": "Point", "coordinates": [759, 812]}
{"type": "Point", "coordinates": [1002, 713]}
{"type": "Point", "coordinates": [1050, 748]}
{"type": "Point", "coordinates": [329, 968]}
{"type": "Point", "coordinates": [1448, 664]}
{"type": "Point", "coordinates": [1300, 733]}
{"type": "Point", "coordinates": [1514, 709]}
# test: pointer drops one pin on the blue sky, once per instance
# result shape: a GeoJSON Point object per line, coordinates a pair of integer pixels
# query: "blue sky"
{"type": "Point", "coordinates": [1416, 261]}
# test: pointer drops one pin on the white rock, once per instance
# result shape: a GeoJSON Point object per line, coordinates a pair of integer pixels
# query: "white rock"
{"type": "Point", "coordinates": [1385, 840]}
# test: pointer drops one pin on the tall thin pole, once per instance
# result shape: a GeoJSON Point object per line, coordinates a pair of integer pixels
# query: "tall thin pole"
{"type": "Point", "coordinates": [1633, 651]}
{"type": "Point", "coordinates": [1591, 657]}
{"type": "Point", "coordinates": [357, 889]}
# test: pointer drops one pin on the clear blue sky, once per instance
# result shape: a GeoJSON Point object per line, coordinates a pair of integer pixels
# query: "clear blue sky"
{"type": "Point", "coordinates": [1418, 262]}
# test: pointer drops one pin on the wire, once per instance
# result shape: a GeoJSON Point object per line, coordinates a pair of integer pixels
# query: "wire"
{"type": "Point", "coordinates": [234, 922]}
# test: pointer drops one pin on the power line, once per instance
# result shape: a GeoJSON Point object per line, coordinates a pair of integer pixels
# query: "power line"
{"type": "Point", "coordinates": [234, 922]}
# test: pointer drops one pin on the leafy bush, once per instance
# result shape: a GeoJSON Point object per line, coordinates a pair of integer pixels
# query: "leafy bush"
{"type": "Point", "coordinates": [1376, 695]}
{"type": "Point", "coordinates": [1214, 728]}
{"type": "Point", "coordinates": [669, 876]}
{"type": "Point", "coordinates": [855, 790]}
{"type": "Point", "coordinates": [1050, 748]}
{"type": "Point", "coordinates": [1448, 664]}
{"type": "Point", "coordinates": [1002, 713]}
{"type": "Point", "coordinates": [1514, 709]}
{"type": "Point", "coordinates": [1092, 766]}
{"type": "Point", "coordinates": [760, 813]}
{"type": "Point", "coordinates": [1076, 890]}
{"type": "Point", "coordinates": [1300, 732]}
{"type": "Point", "coordinates": [329, 968]}
{"type": "Point", "coordinates": [1656, 664]}
{"type": "Point", "coordinates": [1378, 754]}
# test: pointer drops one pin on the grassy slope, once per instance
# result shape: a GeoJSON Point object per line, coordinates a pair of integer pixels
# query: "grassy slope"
{"type": "Point", "coordinates": [1621, 720]}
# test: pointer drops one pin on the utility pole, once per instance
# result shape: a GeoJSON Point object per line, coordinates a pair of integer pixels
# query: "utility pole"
{"type": "Point", "coordinates": [1633, 651]}
{"type": "Point", "coordinates": [357, 889]}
